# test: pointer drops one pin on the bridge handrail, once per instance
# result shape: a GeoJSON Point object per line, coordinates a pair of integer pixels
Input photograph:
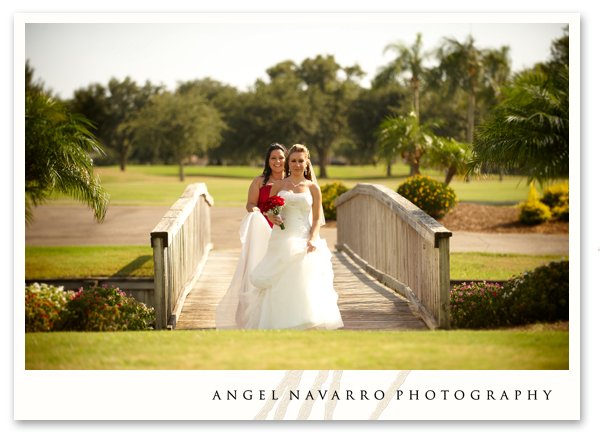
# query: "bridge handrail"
{"type": "Point", "coordinates": [399, 244]}
{"type": "Point", "coordinates": [181, 243]}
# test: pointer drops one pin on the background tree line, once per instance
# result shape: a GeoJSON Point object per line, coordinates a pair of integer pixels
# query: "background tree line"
{"type": "Point", "coordinates": [419, 112]}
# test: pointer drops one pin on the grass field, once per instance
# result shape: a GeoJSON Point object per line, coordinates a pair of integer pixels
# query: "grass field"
{"type": "Point", "coordinates": [136, 261]}
{"type": "Point", "coordinates": [99, 261]}
{"type": "Point", "coordinates": [495, 266]}
{"type": "Point", "coordinates": [267, 350]}
{"type": "Point", "coordinates": [160, 185]}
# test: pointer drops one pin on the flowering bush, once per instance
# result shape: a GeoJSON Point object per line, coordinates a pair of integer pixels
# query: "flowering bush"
{"type": "Point", "coordinates": [104, 309]}
{"type": "Point", "coordinates": [533, 211]}
{"type": "Point", "coordinates": [329, 193]}
{"type": "Point", "coordinates": [561, 210]}
{"type": "Point", "coordinates": [478, 305]}
{"type": "Point", "coordinates": [552, 195]}
{"type": "Point", "coordinates": [540, 295]}
{"type": "Point", "coordinates": [431, 196]}
{"type": "Point", "coordinates": [43, 304]}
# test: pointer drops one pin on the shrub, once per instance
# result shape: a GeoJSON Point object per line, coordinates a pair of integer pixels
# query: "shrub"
{"type": "Point", "coordinates": [329, 193]}
{"type": "Point", "coordinates": [557, 199]}
{"type": "Point", "coordinates": [533, 211]}
{"type": "Point", "coordinates": [561, 210]}
{"type": "Point", "coordinates": [539, 295]}
{"type": "Point", "coordinates": [104, 309]}
{"type": "Point", "coordinates": [553, 194]}
{"type": "Point", "coordinates": [431, 196]}
{"type": "Point", "coordinates": [43, 304]}
{"type": "Point", "coordinates": [478, 305]}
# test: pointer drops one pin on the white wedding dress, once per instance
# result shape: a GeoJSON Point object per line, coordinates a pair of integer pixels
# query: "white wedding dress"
{"type": "Point", "coordinates": [277, 283]}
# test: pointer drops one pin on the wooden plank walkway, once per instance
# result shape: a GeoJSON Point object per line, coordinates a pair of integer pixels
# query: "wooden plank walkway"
{"type": "Point", "coordinates": [365, 304]}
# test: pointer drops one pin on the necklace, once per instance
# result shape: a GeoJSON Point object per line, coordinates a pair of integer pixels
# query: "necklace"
{"type": "Point", "coordinates": [273, 180]}
{"type": "Point", "coordinates": [296, 185]}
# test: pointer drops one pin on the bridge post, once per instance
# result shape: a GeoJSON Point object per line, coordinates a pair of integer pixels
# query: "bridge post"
{"type": "Point", "coordinates": [444, 279]}
{"type": "Point", "coordinates": [160, 279]}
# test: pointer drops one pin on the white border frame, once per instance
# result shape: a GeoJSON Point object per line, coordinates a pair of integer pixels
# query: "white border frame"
{"type": "Point", "coordinates": [102, 387]}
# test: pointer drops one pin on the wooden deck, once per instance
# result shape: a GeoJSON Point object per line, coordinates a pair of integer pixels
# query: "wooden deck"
{"type": "Point", "coordinates": [365, 304]}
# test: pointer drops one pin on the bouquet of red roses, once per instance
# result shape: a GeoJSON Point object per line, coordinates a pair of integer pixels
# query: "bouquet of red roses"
{"type": "Point", "coordinates": [273, 205]}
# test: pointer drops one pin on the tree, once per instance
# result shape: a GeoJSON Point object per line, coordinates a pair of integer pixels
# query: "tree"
{"type": "Point", "coordinates": [449, 154]}
{"type": "Point", "coordinates": [112, 106]}
{"type": "Point", "coordinates": [365, 115]}
{"type": "Point", "coordinates": [232, 106]}
{"type": "Point", "coordinates": [529, 129]}
{"type": "Point", "coordinates": [464, 66]}
{"type": "Point", "coordinates": [29, 84]}
{"type": "Point", "coordinates": [559, 51]}
{"type": "Point", "coordinates": [276, 110]}
{"type": "Point", "coordinates": [57, 144]}
{"type": "Point", "coordinates": [326, 100]}
{"type": "Point", "coordinates": [409, 59]}
{"type": "Point", "coordinates": [181, 123]}
{"type": "Point", "coordinates": [405, 136]}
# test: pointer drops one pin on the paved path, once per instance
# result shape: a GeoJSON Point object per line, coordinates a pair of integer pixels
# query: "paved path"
{"type": "Point", "coordinates": [131, 225]}
{"type": "Point", "coordinates": [524, 243]}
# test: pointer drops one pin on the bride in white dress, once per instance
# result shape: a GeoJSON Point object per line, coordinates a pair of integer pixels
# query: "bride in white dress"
{"type": "Point", "coordinates": [291, 286]}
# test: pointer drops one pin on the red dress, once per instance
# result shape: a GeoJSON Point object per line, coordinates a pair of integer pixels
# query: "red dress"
{"type": "Point", "coordinates": [263, 196]}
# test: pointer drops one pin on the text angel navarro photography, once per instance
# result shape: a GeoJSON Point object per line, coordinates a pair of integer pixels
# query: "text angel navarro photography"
{"type": "Point", "coordinates": [400, 395]}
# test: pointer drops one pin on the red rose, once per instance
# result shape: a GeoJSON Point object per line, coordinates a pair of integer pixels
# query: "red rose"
{"type": "Point", "coordinates": [273, 205]}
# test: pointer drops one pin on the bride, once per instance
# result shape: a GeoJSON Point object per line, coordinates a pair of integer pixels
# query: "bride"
{"type": "Point", "coordinates": [291, 287]}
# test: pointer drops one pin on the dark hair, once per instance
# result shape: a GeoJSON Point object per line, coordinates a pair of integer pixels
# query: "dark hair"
{"type": "Point", "coordinates": [267, 170]}
{"type": "Point", "coordinates": [298, 148]}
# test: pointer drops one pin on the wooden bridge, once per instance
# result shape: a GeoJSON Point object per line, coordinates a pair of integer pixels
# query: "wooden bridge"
{"type": "Point", "coordinates": [391, 272]}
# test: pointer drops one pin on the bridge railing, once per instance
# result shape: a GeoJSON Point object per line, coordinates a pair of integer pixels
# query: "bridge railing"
{"type": "Point", "coordinates": [400, 245]}
{"type": "Point", "coordinates": [181, 243]}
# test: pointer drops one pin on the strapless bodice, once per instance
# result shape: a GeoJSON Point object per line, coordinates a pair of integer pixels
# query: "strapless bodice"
{"type": "Point", "coordinates": [297, 212]}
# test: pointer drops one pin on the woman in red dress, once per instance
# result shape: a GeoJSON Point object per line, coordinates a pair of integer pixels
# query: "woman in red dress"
{"type": "Point", "coordinates": [254, 235]}
{"type": "Point", "coordinates": [260, 189]}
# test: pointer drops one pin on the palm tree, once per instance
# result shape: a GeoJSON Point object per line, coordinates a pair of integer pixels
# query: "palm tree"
{"type": "Point", "coordinates": [56, 156]}
{"type": "Point", "coordinates": [469, 68]}
{"type": "Point", "coordinates": [405, 136]}
{"type": "Point", "coordinates": [529, 128]}
{"type": "Point", "coordinates": [451, 155]}
{"type": "Point", "coordinates": [409, 59]}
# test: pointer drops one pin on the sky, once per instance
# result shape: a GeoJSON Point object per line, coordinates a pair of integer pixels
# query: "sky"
{"type": "Point", "coordinates": [69, 56]}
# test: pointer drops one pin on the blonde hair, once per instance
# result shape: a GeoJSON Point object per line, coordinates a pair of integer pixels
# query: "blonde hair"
{"type": "Point", "coordinates": [298, 148]}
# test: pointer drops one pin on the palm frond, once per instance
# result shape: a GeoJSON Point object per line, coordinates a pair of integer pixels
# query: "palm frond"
{"type": "Point", "coordinates": [57, 147]}
{"type": "Point", "coordinates": [529, 129]}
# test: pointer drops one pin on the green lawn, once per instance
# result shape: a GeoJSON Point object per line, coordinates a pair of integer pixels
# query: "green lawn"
{"type": "Point", "coordinates": [92, 261]}
{"type": "Point", "coordinates": [495, 266]}
{"type": "Point", "coordinates": [228, 185]}
{"type": "Point", "coordinates": [136, 261]}
{"type": "Point", "coordinates": [264, 350]}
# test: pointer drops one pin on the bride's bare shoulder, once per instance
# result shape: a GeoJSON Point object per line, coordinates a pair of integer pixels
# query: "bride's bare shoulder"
{"type": "Point", "coordinates": [314, 188]}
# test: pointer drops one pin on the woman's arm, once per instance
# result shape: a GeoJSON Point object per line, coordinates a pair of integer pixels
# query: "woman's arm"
{"type": "Point", "coordinates": [253, 194]}
{"type": "Point", "coordinates": [276, 188]}
{"type": "Point", "coordinates": [315, 191]}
